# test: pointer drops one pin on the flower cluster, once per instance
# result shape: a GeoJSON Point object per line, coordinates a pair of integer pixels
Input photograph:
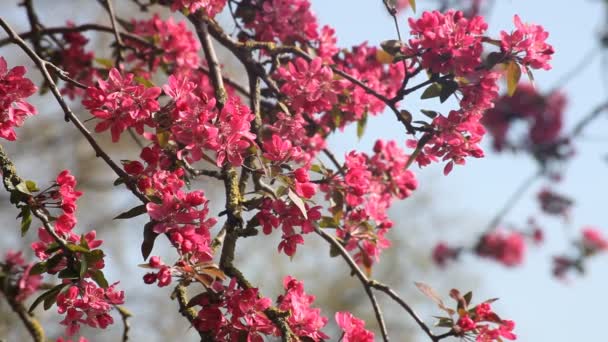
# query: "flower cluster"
{"type": "Point", "coordinates": [163, 276]}
{"type": "Point", "coordinates": [544, 113]}
{"type": "Point", "coordinates": [285, 21]}
{"type": "Point", "coordinates": [182, 215]}
{"type": "Point", "coordinates": [310, 87]}
{"type": "Point", "coordinates": [15, 274]}
{"type": "Point", "coordinates": [14, 88]}
{"type": "Point", "coordinates": [86, 303]}
{"type": "Point", "coordinates": [231, 312]}
{"type": "Point", "coordinates": [197, 126]}
{"type": "Point", "coordinates": [287, 215]}
{"type": "Point", "coordinates": [485, 324]}
{"type": "Point", "coordinates": [528, 39]}
{"type": "Point", "coordinates": [304, 321]}
{"type": "Point", "coordinates": [121, 104]}
{"type": "Point", "coordinates": [77, 62]}
{"type": "Point", "coordinates": [364, 195]}
{"type": "Point", "coordinates": [178, 45]}
{"type": "Point", "coordinates": [62, 195]}
{"type": "Point", "coordinates": [450, 42]}
{"type": "Point", "coordinates": [507, 248]}
{"type": "Point", "coordinates": [211, 7]}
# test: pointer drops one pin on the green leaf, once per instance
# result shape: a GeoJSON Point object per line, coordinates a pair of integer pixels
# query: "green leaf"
{"type": "Point", "coordinates": [38, 268]}
{"type": "Point", "coordinates": [149, 236]}
{"type": "Point", "coordinates": [105, 62]}
{"type": "Point", "coordinates": [68, 273]}
{"type": "Point", "coordinates": [77, 248]}
{"type": "Point", "coordinates": [361, 124]}
{"type": "Point", "coordinates": [133, 212]}
{"type": "Point", "coordinates": [53, 261]}
{"type": "Point", "coordinates": [530, 75]}
{"type": "Point", "coordinates": [94, 256]}
{"type": "Point", "coordinates": [413, 4]}
{"type": "Point", "coordinates": [429, 113]}
{"type": "Point", "coordinates": [48, 294]}
{"type": "Point", "coordinates": [31, 186]}
{"type": "Point", "coordinates": [431, 91]}
{"type": "Point", "coordinates": [118, 181]}
{"type": "Point", "coordinates": [143, 81]}
{"type": "Point", "coordinates": [99, 278]}
{"type": "Point", "coordinates": [468, 296]}
{"type": "Point", "coordinates": [84, 266]}
{"type": "Point", "coordinates": [513, 76]}
{"type": "Point", "coordinates": [334, 251]}
{"type": "Point", "coordinates": [22, 188]}
{"type": "Point", "coordinates": [26, 220]}
{"type": "Point", "coordinates": [447, 89]}
{"type": "Point", "coordinates": [298, 202]}
{"type": "Point", "coordinates": [328, 222]}
{"type": "Point", "coordinates": [392, 46]}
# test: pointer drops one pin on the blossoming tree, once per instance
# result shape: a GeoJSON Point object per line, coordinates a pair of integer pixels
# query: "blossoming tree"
{"type": "Point", "coordinates": [163, 85]}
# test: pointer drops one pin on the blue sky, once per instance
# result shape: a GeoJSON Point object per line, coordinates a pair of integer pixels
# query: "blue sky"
{"type": "Point", "coordinates": [544, 309]}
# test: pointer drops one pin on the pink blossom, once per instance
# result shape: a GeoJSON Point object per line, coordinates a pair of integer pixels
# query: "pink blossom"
{"type": "Point", "coordinates": [179, 45]}
{"type": "Point", "coordinates": [285, 21]}
{"type": "Point", "coordinates": [530, 40]}
{"type": "Point", "coordinates": [449, 43]}
{"type": "Point", "coordinates": [353, 328]}
{"type": "Point", "coordinates": [121, 104]}
{"type": "Point", "coordinates": [506, 248]}
{"type": "Point", "coordinates": [211, 7]}
{"type": "Point", "coordinates": [14, 88]}
{"type": "Point", "coordinates": [303, 320]}
{"type": "Point", "coordinates": [594, 240]}
{"type": "Point", "coordinates": [86, 303]}
{"type": "Point", "coordinates": [310, 86]}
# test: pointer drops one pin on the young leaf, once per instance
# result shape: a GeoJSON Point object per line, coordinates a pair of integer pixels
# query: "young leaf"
{"type": "Point", "coordinates": [430, 293]}
{"type": "Point", "coordinates": [99, 278]}
{"type": "Point", "coordinates": [431, 91]}
{"type": "Point", "coordinates": [48, 294]}
{"type": "Point", "coordinates": [447, 89]}
{"type": "Point", "coordinates": [149, 237]}
{"type": "Point", "coordinates": [133, 212]}
{"type": "Point", "coordinates": [26, 220]}
{"type": "Point", "coordinates": [361, 124]}
{"type": "Point", "coordinates": [513, 76]}
{"type": "Point", "coordinates": [413, 4]}
{"type": "Point", "coordinates": [298, 202]}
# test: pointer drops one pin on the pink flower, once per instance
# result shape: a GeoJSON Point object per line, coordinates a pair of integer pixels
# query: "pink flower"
{"type": "Point", "coordinates": [121, 103]}
{"type": "Point", "coordinates": [179, 45]}
{"type": "Point", "coordinates": [310, 86]}
{"type": "Point", "coordinates": [506, 248]}
{"type": "Point", "coordinates": [442, 253]}
{"type": "Point", "coordinates": [285, 21]}
{"type": "Point", "coordinates": [449, 43]}
{"type": "Point", "coordinates": [86, 303]}
{"type": "Point", "coordinates": [530, 40]}
{"type": "Point", "coordinates": [211, 7]}
{"type": "Point", "coordinates": [303, 320]}
{"type": "Point", "coordinates": [278, 149]}
{"type": "Point", "coordinates": [77, 62]}
{"type": "Point", "coordinates": [234, 136]}
{"type": "Point", "coordinates": [594, 240]}
{"type": "Point", "coordinates": [14, 88]}
{"type": "Point", "coordinates": [353, 328]}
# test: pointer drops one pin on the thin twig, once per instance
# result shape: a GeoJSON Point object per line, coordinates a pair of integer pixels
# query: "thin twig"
{"type": "Point", "coordinates": [119, 45]}
{"type": "Point", "coordinates": [361, 276]}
